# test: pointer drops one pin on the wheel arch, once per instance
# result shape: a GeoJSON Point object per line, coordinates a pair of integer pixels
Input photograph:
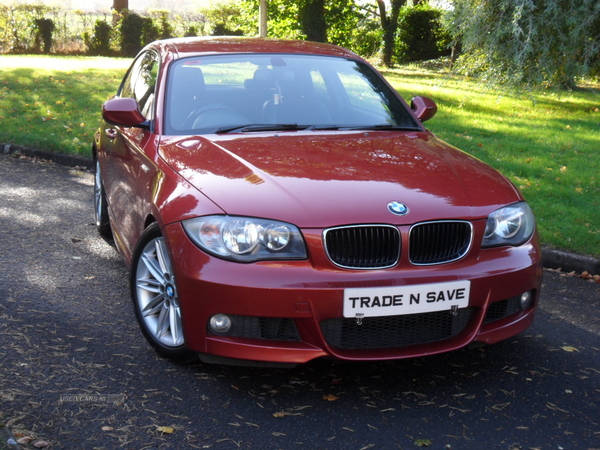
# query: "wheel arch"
{"type": "Point", "coordinates": [150, 219]}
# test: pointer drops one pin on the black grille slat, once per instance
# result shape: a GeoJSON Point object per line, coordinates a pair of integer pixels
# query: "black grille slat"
{"type": "Point", "coordinates": [363, 247]}
{"type": "Point", "coordinates": [500, 310]}
{"type": "Point", "coordinates": [378, 246]}
{"type": "Point", "coordinates": [394, 331]}
{"type": "Point", "coordinates": [272, 328]}
{"type": "Point", "coordinates": [439, 242]}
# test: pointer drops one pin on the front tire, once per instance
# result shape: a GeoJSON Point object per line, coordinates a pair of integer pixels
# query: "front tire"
{"type": "Point", "coordinates": [100, 206]}
{"type": "Point", "coordinates": [155, 298]}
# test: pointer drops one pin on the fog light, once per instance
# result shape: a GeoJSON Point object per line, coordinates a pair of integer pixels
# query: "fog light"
{"type": "Point", "coordinates": [220, 324]}
{"type": "Point", "coordinates": [526, 298]}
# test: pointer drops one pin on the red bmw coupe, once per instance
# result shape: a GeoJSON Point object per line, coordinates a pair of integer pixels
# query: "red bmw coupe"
{"type": "Point", "coordinates": [278, 201]}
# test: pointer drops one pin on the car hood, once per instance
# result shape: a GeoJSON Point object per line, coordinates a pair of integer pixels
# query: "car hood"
{"type": "Point", "coordinates": [322, 179]}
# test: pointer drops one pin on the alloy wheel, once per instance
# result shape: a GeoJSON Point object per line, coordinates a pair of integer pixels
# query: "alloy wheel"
{"type": "Point", "coordinates": [157, 295]}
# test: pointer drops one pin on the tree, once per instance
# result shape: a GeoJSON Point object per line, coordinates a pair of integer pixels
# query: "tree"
{"type": "Point", "coordinates": [528, 42]}
{"type": "Point", "coordinates": [312, 20]}
{"type": "Point", "coordinates": [421, 34]}
{"type": "Point", "coordinates": [342, 22]}
{"type": "Point", "coordinates": [225, 19]}
{"type": "Point", "coordinates": [120, 5]}
{"type": "Point", "coordinates": [389, 24]}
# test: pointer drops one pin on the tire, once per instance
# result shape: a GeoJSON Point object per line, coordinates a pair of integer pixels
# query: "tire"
{"type": "Point", "coordinates": [154, 296]}
{"type": "Point", "coordinates": [100, 205]}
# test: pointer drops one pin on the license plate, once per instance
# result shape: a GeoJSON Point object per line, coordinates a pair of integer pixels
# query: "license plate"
{"type": "Point", "coordinates": [399, 300]}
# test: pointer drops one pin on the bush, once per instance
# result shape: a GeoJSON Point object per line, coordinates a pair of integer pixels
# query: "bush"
{"type": "Point", "coordinates": [98, 44]}
{"type": "Point", "coordinates": [44, 29]}
{"type": "Point", "coordinates": [421, 35]}
{"type": "Point", "coordinates": [191, 31]}
{"type": "Point", "coordinates": [35, 28]}
{"type": "Point", "coordinates": [16, 23]}
{"type": "Point", "coordinates": [131, 34]}
{"type": "Point", "coordinates": [150, 31]}
{"type": "Point", "coordinates": [136, 32]}
{"type": "Point", "coordinates": [161, 22]}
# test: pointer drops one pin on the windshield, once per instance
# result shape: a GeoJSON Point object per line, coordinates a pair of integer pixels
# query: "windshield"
{"type": "Point", "coordinates": [239, 93]}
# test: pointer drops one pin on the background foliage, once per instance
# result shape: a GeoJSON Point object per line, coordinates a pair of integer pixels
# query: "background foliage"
{"type": "Point", "coordinates": [421, 34]}
{"type": "Point", "coordinates": [528, 41]}
{"type": "Point", "coordinates": [349, 23]}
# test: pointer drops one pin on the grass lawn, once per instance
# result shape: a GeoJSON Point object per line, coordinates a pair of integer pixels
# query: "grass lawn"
{"type": "Point", "coordinates": [547, 141]}
{"type": "Point", "coordinates": [53, 103]}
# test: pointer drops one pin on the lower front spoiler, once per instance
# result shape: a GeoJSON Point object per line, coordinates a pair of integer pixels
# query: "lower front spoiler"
{"type": "Point", "coordinates": [258, 352]}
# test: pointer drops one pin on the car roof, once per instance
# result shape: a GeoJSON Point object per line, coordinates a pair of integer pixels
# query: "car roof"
{"type": "Point", "coordinates": [183, 47]}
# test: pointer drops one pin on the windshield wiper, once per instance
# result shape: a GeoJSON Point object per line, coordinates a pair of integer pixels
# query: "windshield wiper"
{"type": "Point", "coordinates": [382, 126]}
{"type": "Point", "coordinates": [295, 127]}
{"type": "Point", "coordinates": [264, 127]}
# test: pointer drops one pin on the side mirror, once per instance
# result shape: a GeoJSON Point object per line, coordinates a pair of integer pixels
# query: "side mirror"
{"type": "Point", "coordinates": [124, 112]}
{"type": "Point", "coordinates": [423, 107]}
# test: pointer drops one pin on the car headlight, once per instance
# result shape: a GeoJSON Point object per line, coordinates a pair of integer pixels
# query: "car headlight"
{"type": "Point", "coordinates": [511, 225]}
{"type": "Point", "coordinates": [246, 239]}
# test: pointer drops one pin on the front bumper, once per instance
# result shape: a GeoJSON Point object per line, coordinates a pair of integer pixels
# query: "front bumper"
{"type": "Point", "coordinates": [299, 303]}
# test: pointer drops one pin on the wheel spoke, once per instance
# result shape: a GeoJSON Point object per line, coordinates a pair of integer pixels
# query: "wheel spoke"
{"type": "Point", "coordinates": [154, 306]}
{"type": "Point", "coordinates": [149, 285]}
{"type": "Point", "coordinates": [162, 324]}
{"type": "Point", "coordinates": [153, 267]}
{"type": "Point", "coordinates": [175, 323]}
{"type": "Point", "coordinates": [162, 258]}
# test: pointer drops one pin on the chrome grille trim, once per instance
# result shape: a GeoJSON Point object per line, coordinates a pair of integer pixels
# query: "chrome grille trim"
{"type": "Point", "coordinates": [439, 242]}
{"type": "Point", "coordinates": [375, 246]}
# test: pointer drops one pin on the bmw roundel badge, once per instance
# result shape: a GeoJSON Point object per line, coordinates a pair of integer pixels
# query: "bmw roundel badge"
{"type": "Point", "coordinates": [400, 209]}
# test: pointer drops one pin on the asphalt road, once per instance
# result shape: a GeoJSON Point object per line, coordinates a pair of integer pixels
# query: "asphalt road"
{"type": "Point", "coordinates": [75, 372]}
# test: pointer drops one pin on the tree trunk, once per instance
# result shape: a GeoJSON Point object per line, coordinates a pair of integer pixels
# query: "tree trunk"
{"type": "Point", "coordinates": [262, 18]}
{"type": "Point", "coordinates": [312, 18]}
{"type": "Point", "coordinates": [120, 5]}
{"type": "Point", "coordinates": [389, 26]}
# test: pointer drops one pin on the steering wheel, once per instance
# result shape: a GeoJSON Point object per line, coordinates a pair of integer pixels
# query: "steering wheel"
{"type": "Point", "coordinates": [212, 116]}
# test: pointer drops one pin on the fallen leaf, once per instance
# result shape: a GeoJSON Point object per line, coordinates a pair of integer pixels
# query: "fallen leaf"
{"type": "Point", "coordinates": [422, 442]}
{"type": "Point", "coordinates": [40, 444]}
{"type": "Point", "coordinates": [568, 348]}
{"type": "Point", "coordinates": [330, 398]}
{"type": "Point", "coordinates": [24, 440]}
{"type": "Point", "coordinates": [166, 430]}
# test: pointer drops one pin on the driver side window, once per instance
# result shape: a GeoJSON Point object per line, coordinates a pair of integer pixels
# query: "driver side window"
{"type": "Point", "coordinates": [140, 83]}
